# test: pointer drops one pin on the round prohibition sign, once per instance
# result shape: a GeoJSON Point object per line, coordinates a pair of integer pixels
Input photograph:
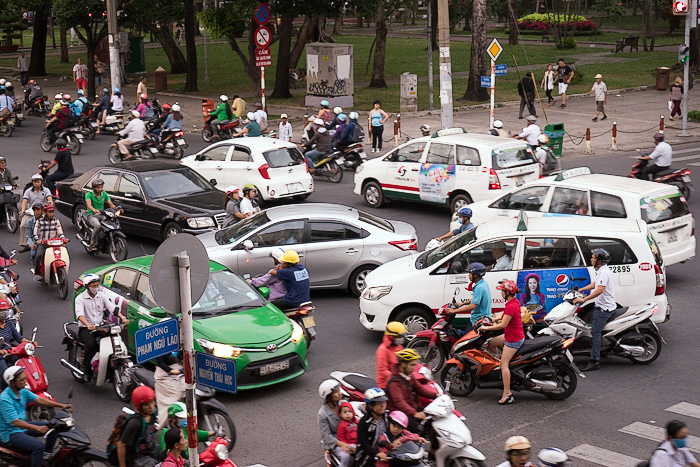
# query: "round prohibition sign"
{"type": "Point", "coordinates": [262, 14]}
{"type": "Point", "coordinates": [263, 36]}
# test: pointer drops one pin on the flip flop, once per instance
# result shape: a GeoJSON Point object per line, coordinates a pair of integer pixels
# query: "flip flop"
{"type": "Point", "coordinates": [507, 401]}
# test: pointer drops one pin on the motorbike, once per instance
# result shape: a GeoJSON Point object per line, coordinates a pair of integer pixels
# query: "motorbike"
{"type": "Point", "coordinates": [8, 204]}
{"type": "Point", "coordinates": [111, 240]}
{"type": "Point", "coordinates": [352, 156]}
{"type": "Point", "coordinates": [216, 455]}
{"type": "Point", "coordinates": [10, 290]}
{"type": "Point", "coordinates": [434, 344]}
{"type": "Point", "coordinates": [677, 177]}
{"type": "Point", "coordinates": [410, 454]}
{"type": "Point", "coordinates": [328, 167]}
{"type": "Point", "coordinates": [72, 135]}
{"type": "Point", "coordinates": [172, 144]}
{"type": "Point", "coordinates": [543, 365]}
{"type": "Point", "coordinates": [113, 123]}
{"type": "Point", "coordinates": [226, 127]}
{"type": "Point", "coordinates": [302, 316]}
{"type": "Point", "coordinates": [39, 106]}
{"type": "Point", "coordinates": [144, 149]}
{"type": "Point", "coordinates": [88, 127]}
{"type": "Point", "coordinates": [630, 333]}
{"type": "Point", "coordinates": [7, 126]}
{"type": "Point", "coordinates": [72, 446]}
{"type": "Point", "coordinates": [54, 265]}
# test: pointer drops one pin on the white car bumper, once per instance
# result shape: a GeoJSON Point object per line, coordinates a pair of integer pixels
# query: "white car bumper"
{"type": "Point", "coordinates": [680, 255]}
{"type": "Point", "coordinates": [285, 189]}
{"type": "Point", "coordinates": [374, 314]}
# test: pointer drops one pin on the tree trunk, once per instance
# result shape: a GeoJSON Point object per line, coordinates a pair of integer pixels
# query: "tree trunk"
{"type": "Point", "coordinates": [64, 45]}
{"type": "Point", "coordinates": [190, 26]}
{"type": "Point", "coordinates": [477, 66]}
{"type": "Point", "coordinates": [634, 7]}
{"type": "Point", "coordinates": [360, 22]}
{"type": "Point", "coordinates": [37, 61]}
{"type": "Point", "coordinates": [694, 58]}
{"type": "Point", "coordinates": [378, 80]}
{"type": "Point", "coordinates": [512, 25]}
{"type": "Point", "coordinates": [52, 32]}
{"type": "Point", "coordinates": [645, 26]}
{"type": "Point", "coordinates": [318, 32]}
{"type": "Point", "coordinates": [652, 24]}
{"type": "Point", "coordinates": [302, 39]}
{"type": "Point", "coordinates": [434, 24]}
{"type": "Point", "coordinates": [336, 27]}
{"type": "Point", "coordinates": [164, 34]}
{"type": "Point", "coordinates": [286, 27]}
{"type": "Point", "coordinates": [250, 69]}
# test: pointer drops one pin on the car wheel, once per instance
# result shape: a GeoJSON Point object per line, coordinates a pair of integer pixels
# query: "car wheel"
{"type": "Point", "coordinates": [415, 319]}
{"type": "Point", "coordinates": [459, 201]}
{"type": "Point", "coordinates": [171, 229]}
{"type": "Point", "coordinates": [357, 278]}
{"type": "Point", "coordinates": [374, 196]}
{"type": "Point", "coordinates": [78, 212]}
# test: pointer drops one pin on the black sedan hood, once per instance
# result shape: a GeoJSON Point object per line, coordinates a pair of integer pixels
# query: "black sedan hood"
{"type": "Point", "coordinates": [208, 202]}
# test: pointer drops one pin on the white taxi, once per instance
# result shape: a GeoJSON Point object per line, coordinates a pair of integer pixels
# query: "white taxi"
{"type": "Point", "coordinates": [452, 168]}
{"type": "Point", "coordinates": [544, 256]}
{"type": "Point", "coordinates": [579, 191]}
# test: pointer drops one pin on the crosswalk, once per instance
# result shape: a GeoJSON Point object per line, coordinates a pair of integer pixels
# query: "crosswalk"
{"type": "Point", "coordinates": [599, 456]}
{"type": "Point", "coordinates": [694, 155]}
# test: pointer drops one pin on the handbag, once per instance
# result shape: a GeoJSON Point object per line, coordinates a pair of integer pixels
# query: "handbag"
{"type": "Point", "coordinates": [4, 113]}
{"type": "Point", "coordinates": [670, 105]}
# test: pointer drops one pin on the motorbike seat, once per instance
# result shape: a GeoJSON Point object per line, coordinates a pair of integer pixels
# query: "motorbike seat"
{"type": "Point", "coordinates": [224, 122]}
{"type": "Point", "coordinates": [23, 453]}
{"type": "Point", "coordinates": [361, 383]}
{"type": "Point", "coordinates": [664, 172]}
{"type": "Point", "coordinates": [537, 343]}
{"type": "Point", "coordinates": [145, 376]}
{"type": "Point", "coordinates": [618, 312]}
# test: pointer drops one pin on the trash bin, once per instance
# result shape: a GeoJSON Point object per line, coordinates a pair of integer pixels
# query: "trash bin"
{"type": "Point", "coordinates": [161, 79]}
{"type": "Point", "coordinates": [555, 132]}
{"type": "Point", "coordinates": [137, 56]}
{"type": "Point", "coordinates": [662, 78]}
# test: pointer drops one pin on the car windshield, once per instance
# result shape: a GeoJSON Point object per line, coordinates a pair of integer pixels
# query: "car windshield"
{"type": "Point", "coordinates": [241, 229]}
{"type": "Point", "coordinates": [430, 257]}
{"type": "Point", "coordinates": [375, 221]}
{"type": "Point", "coordinates": [226, 292]}
{"type": "Point", "coordinates": [512, 157]}
{"type": "Point", "coordinates": [283, 157]}
{"type": "Point", "coordinates": [663, 208]}
{"type": "Point", "coordinates": [174, 182]}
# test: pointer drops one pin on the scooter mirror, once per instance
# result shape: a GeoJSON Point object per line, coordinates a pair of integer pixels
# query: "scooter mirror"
{"type": "Point", "coordinates": [13, 252]}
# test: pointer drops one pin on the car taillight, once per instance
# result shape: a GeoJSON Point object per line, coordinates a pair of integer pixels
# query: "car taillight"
{"type": "Point", "coordinates": [660, 280]}
{"type": "Point", "coordinates": [494, 182]}
{"type": "Point", "coordinates": [56, 192]}
{"type": "Point", "coordinates": [405, 245]}
{"type": "Point", "coordinates": [78, 284]}
{"type": "Point", "coordinates": [263, 171]}
{"type": "Point", "coordinates": [178, 134]}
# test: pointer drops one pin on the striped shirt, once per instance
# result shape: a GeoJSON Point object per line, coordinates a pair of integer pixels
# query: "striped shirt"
{"type": "Point", "coordinates": [45, 229]}
{"type": "Point", "coordinates": [13, 407]}
{"type": "Point", "coordinates": [9, 333]}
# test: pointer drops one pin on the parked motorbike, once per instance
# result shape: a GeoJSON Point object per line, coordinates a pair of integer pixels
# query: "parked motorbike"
{"type": "Point", "coordinates": [72, 447]}
{"type": "Point", "coordinates": [144, 149]}
{"type": "Point", "coordinates": [72, 135]}
{"type": "Point", "coordinates": [216, 455]}
{"type": "Point", "coordinates": [676, 177]}
{"type": "Point", "coordinates": [172, 144]}
{"type": "Point", "coordinates": [53, 267]}
{"type": "Point", "coordinates": [8, 204]}
{"type": "Point", "coordinates": [111, 240]}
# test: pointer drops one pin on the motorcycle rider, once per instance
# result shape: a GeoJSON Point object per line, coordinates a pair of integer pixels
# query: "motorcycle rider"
{"type": "Point", "coordinates": [371, 427]}
{"type": "Point", "coordinates": [14, 428]}
{"type": "Point", "coordinates": [517, 452]}
{"type": "Point", "coordinates": [82, 103]}
{"type": "Point", "coordinates": [530, 132]}
{"type": "Point", "coordinates": [57, 104]}
{"type": "Point", "coordinates": [5, 101]}
{"type": "Point", "coordinates": [325, 113]}
{"type": "Point", "coordinates": [322, 142]}
{"type": "Point", "coordinates": [465, 216]}
{"type": "Point", "coordinates": [552, 457]}
{"type": "Point", "coordinates": [334, 124]}
{"type": "Point", "coordinates": [116, 105]}
{"type": "Point", "coordinates": [9, 332]}
{"type": "Point", "coordinates": [5, 179]}
{"type": "Point", "coordinates": [393, 341]}
{"type": "Point", "coordinates": [400, 390]}
{"type": "Point", "coordinates": [604, 299]}
{"type": "Point", "coordinates": [425, 129]}
{"type": "Point", "coordinates": [177, 418]}
{"type": "Point", "coordinates": [173, 121]}
{"type": "Point", "coordinates": [232, 205]}
{"type": "Point", "coordinates": [328, 421]}
{"type": "Point", "coordinates": [63, 161]}
{"type": "Point", "coordinates": [101, 106]}
{"type": "Point", "coordinates": [59, 121]}
{"type": "Point", "coordinates": [248, 205]}
{"type": "Point", "coordinates": [480, 304]}
{"type": "Point", "coordinates": [45, 228]}
{"type": "Point", "coordinates": [38, 211]}
{"type": "Point", "coordinates": [339, 128]}
{"type": "Point", "coordinates": [133, 132]}
{"type": "Point", "coordinates": [252, 129]}
{"type": "Point", "coordinates": [36, 194]}
{"type": "Point", "coordinates": [35, 92]}
{"type": "Point", "coordinates": [662, 155]}
{"type": "Point", "coordinates": [348, 135]}
{"type": "Point", "coordinates": [136, 444]}
{"type": "Point", "coordinates": [95, 201]}
{"type": "Point", "coordinates": [295, 278]}
{"type": "Point", "coordinates": [157, 123]}
{"type": "Point", "coordinates": [221, 113]}
{"type": "Point", "coordinates": [91, 306]}
{"type": "Point", "coordinates": [497, 129]}
{"type": "Point", "coordinates": [277, 288]}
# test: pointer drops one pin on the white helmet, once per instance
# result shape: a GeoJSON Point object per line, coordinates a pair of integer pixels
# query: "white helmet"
{"type": "Point", "coordinates": [337, 110]}
{"type": "Point", "coordinates": [325, 388]}
{"type": "Point", "coordinates": [543, 139]}
{"type": "Point", "coordinates": [175, 108]}
{"type": "Point", "coordinates": [250, 115]}
{"type": "Point", "coordinates": [90, 278]}
{"type": "Point", "coordinates": [497, 124]}
{"type": "Point", "coordinates": [2, 81]}
{"type": "Point", "coordinates": [277, 254]}
{"type": "Point", "coordinates": [319, 121]}
{"type": "Point", "coordinates": [135, 114]}
{"type": "Point", "coordinates": [552, 457]}
{"type": "Point", "coordinates": [223, 97]}
{"type": "Point", "coordinates": [8, 84]}
{"type": "Point", "coordinates": [11, 373]}
{"type": "Point", "coordinates": [58, 96]}
{"type": "Point", "coordinates": [425, 127]}
{"type": "Point", "coordinates": [353, 115]}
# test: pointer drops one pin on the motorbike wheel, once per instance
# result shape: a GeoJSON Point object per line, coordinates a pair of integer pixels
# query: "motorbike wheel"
{"type": "Point", "coordinates": [6, 130]}
{"type": "Point", "coordinates": [206, 134]}
{"type": "Point", "coordinates": [12, 217]}
{"type": "Point", "coordinates": [74, 145]}
{"type": "Point", "coordinates": [44, 110]}
{"type": "Point", "coordinates": [45, 143]}
{"type": "Point", "coordinates": [75, 357]}
{"type": "Point", "coordinates": [335, 172]}
{"type": "Point", "coordinates": [94, 463]}
{"type": "Point", "coordinates": [179, 152]}
{"type": "Point", "coordinates": [118, 250]}
{"type": "Point", "coordinates": [220, 423]}
{"type": "Point", "coordinates": [652, 348]}
{"type": "Point", "coordinates": [37, 412]}
{"type": "Point", "coordinates": [114, 155]}
{"type": "Point", "coordinates": [62, 283]}
{"type": "Point", "coordinates": [431, 355]}
{"type": "Point", "coordinates": [467, 462]}
{"type": "Point", "coordinates": [461, 383]}
{"type": "Point", "coordinates": [122, 383]}
{"type": "Point", "coordinates": [567, 383]}
{"type": "Point", "coordinates": [92, 134]}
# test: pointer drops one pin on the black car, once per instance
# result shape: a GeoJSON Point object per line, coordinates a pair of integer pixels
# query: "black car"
{"type": "Point", "coordinates": [160, 199]}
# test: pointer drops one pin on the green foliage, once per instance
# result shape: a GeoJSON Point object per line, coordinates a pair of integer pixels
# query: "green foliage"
{"type": "Point", "coordinates": [147, 14]}
{"type": "Point", "coordinates": [694, 115]}
{"type": "Point", "coordinates": [228, 20]}
{"type": "Point", "coordinates": [85, 13]}
{"type": "Point", "coordinates": [567, 42]}
{"type": "Point", "coordinates": [10, 22]}
{"type": "Point", "coordinates": [459, 10]}
{"type": "Point", "coordinates": [612, 8]}
{"type": "Point", "coordinates": [552, 18]}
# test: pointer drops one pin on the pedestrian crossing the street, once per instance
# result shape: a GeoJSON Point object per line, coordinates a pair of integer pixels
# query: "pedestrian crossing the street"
{"type": "Point", "coordinates": [599, 456]}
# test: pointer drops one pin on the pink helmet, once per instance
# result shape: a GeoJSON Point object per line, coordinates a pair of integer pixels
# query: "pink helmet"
{"type": "Point", "coordinates": [399, 417]}
{"type": "Point", "coordinates": [144, 95]}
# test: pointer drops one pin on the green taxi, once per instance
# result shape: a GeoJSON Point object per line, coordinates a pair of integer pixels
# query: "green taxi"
{"type": "Point", "coordinates": [231, 320]}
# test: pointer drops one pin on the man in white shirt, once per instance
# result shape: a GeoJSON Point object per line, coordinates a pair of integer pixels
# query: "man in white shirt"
{"type": "Point", "coordinates": [285, 129]}
{"type": "Point", "coordinates": [134, 131]}
{"type": "Point", "coordinates": [601, 96]}
{"type": "Point", "coordinates": [503, 261]}
{"type": "Point", "coordinates": [80, 74]}
{"type": "Point", "coordinates": [662, 155]}
{"type": "Point", "coordinates": [604, 299]}
{"type": "Point", "coordinates": [531, 132]}
{"type": "Point", "coordinates": [23, 69]}
{"type": "Point", "coordinates": [260, 116]}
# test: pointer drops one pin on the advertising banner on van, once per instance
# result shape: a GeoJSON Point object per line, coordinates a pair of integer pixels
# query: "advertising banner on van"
{"type": "Point", "coordinates": [544, 289]}
{"type": "Point", "coordinates": [436, 181]}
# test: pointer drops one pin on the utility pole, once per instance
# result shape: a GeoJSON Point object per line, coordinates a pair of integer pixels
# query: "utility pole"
{"type": "Point", "coordinates": [690, 21]}
{"type": "Point", "coordinates": [445, 64]}
{"type": "Point", "coordinates": [206, 58]}
{"type": "Point", "coordinates": [113, 38]}
{"type": "Point", "coordinates": [430, 56]}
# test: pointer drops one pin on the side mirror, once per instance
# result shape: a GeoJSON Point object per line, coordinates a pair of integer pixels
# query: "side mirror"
{"type": "Point", "coordinates": [213, 182]}
{"type": "Point", "coordinates": [248, 245]}
{"type": "Point", "coordinates": [13, 252]}
{"type": "Point", "coordinates": [158, 312]}
{"type": "Point", "coordinates": [265, 292]}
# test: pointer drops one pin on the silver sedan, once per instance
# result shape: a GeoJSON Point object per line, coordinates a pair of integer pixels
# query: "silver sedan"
{"type": "Point", "coordinates": [337, 244]}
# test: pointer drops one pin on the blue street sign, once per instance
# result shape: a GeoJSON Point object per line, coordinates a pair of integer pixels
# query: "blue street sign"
{"type": "Point", "coordinates": [501, 70]}
{"type": "Point", "coordinates": [262, 14]}
{"type": "Point", "coordinates": [157, 340]}
{"type": "Point", "coordinates": [215, 372]}
{"type": "Point", "coordinates": [485, 81]}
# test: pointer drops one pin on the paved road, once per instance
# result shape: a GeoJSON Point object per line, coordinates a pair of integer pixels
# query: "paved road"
{"type": "Point", "coordinates": [617, 409]}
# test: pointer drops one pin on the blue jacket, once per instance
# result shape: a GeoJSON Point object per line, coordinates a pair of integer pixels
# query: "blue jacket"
{"type": "Point", "coordinates": [349, 130]}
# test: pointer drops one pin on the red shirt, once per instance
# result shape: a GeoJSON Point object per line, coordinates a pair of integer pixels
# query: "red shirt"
{"type": "Point", "coordinates": [514, 330]}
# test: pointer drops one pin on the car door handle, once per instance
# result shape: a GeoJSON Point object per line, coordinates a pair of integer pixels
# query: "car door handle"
{"type": "Point", "coordinates": [301, 255]}
{"type": "Point", "coordinates": [249, 168]}
{"type": "Point", "coordinates": [352, 251]}
{"type": "Point", "coordinates": [218, 167]}
{"type": "Point", "coordinates": [458, 280]}
{"type": "Point", "coordinates": [415, 170]}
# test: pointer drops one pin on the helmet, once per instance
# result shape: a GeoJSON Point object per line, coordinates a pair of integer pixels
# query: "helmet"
{"type": "Point", "coordinates": [543, 139]}
{"type": "Point", "coordinates": [37, 177]}
{"type": "Point", "coordinates": [31, 81]}
{"type": "Point", "coordinates": [11, 373]}
{"type": "Point", "coordinates": [144, 95]}
{"type": "Point", "coordinates": [250, 115]}
{"type": "Point", "coordinates": [80, 92]}
{"type": "Point", "coordinates": [2, 81]}
{"type": "Point", "coordinates": [375, 394]}
{"type": "Point", "coordinates": [342, 117]}
{"type": "Point", "coordinates": [325, 103]}
{"type": "Point", "coordinates": [65, 102]}
{"type": "Point", "coordinates": [58, 96]}
{"type": "Point", "coordinates": [407, 355]}
{"type": "Point", "coordinates": [659, 137]}
{"type": "Point", "coordinates": [277, 253]}
{"type": "Point", "coordinates": [247, 187]}
{"type": "Point", "coordinates": [176, 107]}
{"type": "Point", "coordinates": [2, 159]}
{"type": "Point", "coordinates": [105, 90]}
{"type": "Point", "coordinates": [66, 96]}
{"type": "Point", "coordinates": [142, 395]}
{"type": "Point", "coordinates": [4, 305]}
{"type": "Point", "coordinates": [97, 182]}
{"type": "Point", "coordinates": [517, 442]}
{"type": "Point", "coordinates": [601, 255]}
{"type": "Point", "coordinates": [467, 212]}
{"type": "Point", "coordinates": [327, 387]}
{"type": "Point", "coordinates": [497, 124]}
{"type": "Point", "coordinates": [353, 115]}
{"type": "Point", "coordinates": [135, 114]}
{"type": "Point", "coordinates": [117, 90]}
{"type": "Point", "coordinates": [425, 128]}
{"type": "Point", "coordinates": [177, 409]}
{"type": "Point", "coordinates": [477, 268]}
{"type": "Point", "coordinates": [337, 110]}
{"type": "Point", "coordinates": [399, 418]}
{"type": "Point", "coordinates": [290, 256]}
{"type": "Point", "coordinates": [90, 278]}
{"type": "Point", "coordinates": [395, 328]}
{"type": "Point", "coordinates": [166, 106]}
{"type": "Point", "coordinates": [552, 457]}
{"type": "Point", "coordinates": [49, 207]}
{"type": "Point", "coordinates": [509, 286]}
{"type": "Point", "coordinates": [8, 84]}
{"type": "Point", "coordinates": [318, 121]}
{"type": "Point", "coordinates": [223, 97]}
{"type": "Point", "coordinates": [231, 189]}
{"type": "Point", "coordinates": [61, 143]}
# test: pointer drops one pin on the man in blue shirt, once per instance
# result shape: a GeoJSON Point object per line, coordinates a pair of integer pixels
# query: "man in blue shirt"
{"type": "Point", "coordinates": [295, 278]}
{"type": "Point", "coordinates": [465, 216]}
{"type": "Point", "coordinates": [14, 429]}
{"type": "Point", "coordinates": [480, 304]}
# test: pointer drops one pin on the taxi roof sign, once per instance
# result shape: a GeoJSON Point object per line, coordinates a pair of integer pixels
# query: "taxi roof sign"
{"type": "Point", "coordinates": [522, 221]}
{"type": "Point", "coordinates": [449, 131]}
{"type": "Point", "coordinates": [571, 173]}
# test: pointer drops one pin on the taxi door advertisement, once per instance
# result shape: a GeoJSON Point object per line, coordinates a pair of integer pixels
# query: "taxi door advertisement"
{"type": "Point", "coordinates": [544, 289]}
{"type": "Point", "coordinates": [436, 181]}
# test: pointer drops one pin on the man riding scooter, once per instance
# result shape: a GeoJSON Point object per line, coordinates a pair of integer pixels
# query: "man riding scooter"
{"type": "Point", "coordinates": [322, 142]}
{"type": "Point", "coordinates": [95, 201]}
{"type": "Point", "coordinates": [63, 164]}
{"type": "Point", "coordinates": [662, 155]}
{"type": "Point", "coordinates": [10, 334]}
{"type": "Point", "coordinates": [45, 228]}
{"type": "Point", "coordinates": [133, 132]}
{"type": "Point", "coordinates": [59, 121]}
{"type": "Point", "coordinates": [295, 278]}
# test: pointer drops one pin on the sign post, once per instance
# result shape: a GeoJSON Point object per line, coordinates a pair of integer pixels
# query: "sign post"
{"type": "Point", "coordinates": [263, 37]}
{"type": "Point", "coordinates": [494, 50]}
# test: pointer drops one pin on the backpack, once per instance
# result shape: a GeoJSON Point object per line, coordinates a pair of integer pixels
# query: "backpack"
{"type": "Point", "coordinates": [493, 132]}
{"type": "Point", "coordinates": [263, 123]}
{"type": "Point", "coordinates": [358, 133]}
{"type": "Point", "coordinates": [148, 113]}
{"type": "Point", "coordinates": [75, 109]}
{"type": "Point", "coordinates": [551, 161]}
{"type": "Point", "coordinates": [117, 429]}
{"type": "Point", "coordinates": [86, 106]}
{"type": "Point", "coordinates": [648, 463]}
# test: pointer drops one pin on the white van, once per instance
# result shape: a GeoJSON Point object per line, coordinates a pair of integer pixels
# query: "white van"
{"type": "Point", "coordinates": [544, 256]}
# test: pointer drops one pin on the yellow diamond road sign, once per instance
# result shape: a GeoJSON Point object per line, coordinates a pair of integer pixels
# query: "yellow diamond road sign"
{"type": "Point", "coordinates": [494, 50]}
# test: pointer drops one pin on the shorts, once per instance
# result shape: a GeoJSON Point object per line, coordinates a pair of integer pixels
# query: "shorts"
{"type": "Point", "coordinates": [562, 88]}
{"type": "Point", "coordinates": [81, 83]}
{"type": "Point", "coordinates": [515, 345]}
{"type": "Point", "coordinates": [600, 106]}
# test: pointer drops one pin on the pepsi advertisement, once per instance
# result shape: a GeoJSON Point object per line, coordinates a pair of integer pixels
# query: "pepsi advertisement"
{"type": "Point", "coordinates": [544, 289]}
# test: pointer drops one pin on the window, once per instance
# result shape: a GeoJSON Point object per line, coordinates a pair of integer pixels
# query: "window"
{"type": "Point", "coordinates": [284, 233]}
{"type": "Point", "coordinates": [143, 293]}
{"type": "Point", "coordinates": [527, 199]}
{"type": "Point", "coordinates": [620, 253]}
{"type": "Point", "coordinates": [217, 153]}
{"type": "Point", "coordinates": [569, 201]}
{"type": "Point", "coordinates": [663, 208]}
{"type": "Point", "coordinates": [174, 182]}
{"type": "Point", "coordinates": [605, 205]}
{"type": "Point", "coordinates": [240, 155]}
{"type": "Point", "coordinates": [283, 157]}
{"type": "Point", "coordinates": [123, 281]}
{"type": "Point", "coordinates": [109, 177]}
{"type": "Point", "coordinates": [332, 231]}
{"type": "Point", "coordinates": [409, 153]}
{"type": "Point", "coordinates": [467, 156]}
{"type": "Point", "coordinates": [129, 185]}
{"type": "Point", "coordinates": [440, 153]}
{"type": "Point", "coordinates": [507, 158]}
{"type": "Point", "coordinates": [552, 253]}
{"type": "Point", "coordinates": [375, 221]}
{"type": "Point", "coordinates": [496, 256]}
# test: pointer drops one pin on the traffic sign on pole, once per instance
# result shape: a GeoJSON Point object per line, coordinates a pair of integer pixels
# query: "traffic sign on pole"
{"type": "Point", "coordinates": [263, 36]}
{"type": "Point", "coordinates": [263, 57]}
{"type": "Point", "coordinates": [501, 70]}
{"type": "Point", "coordinates": [262, 14]}
{"type": "Point", "coordinates": [157, 340]}
{"type": "Point", "coordinates": [216, 372]}
{"type": "Point", "coordinates": [485, 82]}
{"type": "Point", "coordinates": [494, 50]}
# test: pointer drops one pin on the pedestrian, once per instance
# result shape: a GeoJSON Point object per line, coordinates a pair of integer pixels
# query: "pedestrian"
{"type": "Point", "coordinates": [239, 106]}
{"type": "Point", "coordinates": [80, 74]}
{"type": "Point", "coordinates": [672, 452]}
{"type": "Point", "coordinates": [285, 129]}
{"type": "Point", "coordinates": [23, 70]}
{"type": "Point", "coordinates": [72, 36]}
{"type": "Point", "coordinates": [141, 88]}
{"type": "Point", "coordinates": [548, 84]}
{"type": "Point", "coordinates": [531, 132]}
{"type": "Point", "coordinates": [566, 74]}
{"type": "Point", "coordinates": [601, 96]}
{"type": "Point", "coordinates": [675, 95]}
{"type": "Point", "coordinates": [377, 116]}
{"type": "Point", "coordinates": [526, 91]}
{"type": "Point", "coordinates": [517, 452]}
{"type": "Point", "coordinates": [99, 70]}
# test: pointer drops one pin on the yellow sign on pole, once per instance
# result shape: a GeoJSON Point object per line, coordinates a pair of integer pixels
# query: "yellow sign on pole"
{"type": "Point", "coordinates": [494, 50]}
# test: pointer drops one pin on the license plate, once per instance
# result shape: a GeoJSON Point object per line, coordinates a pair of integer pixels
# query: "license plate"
{"type": "Point", "coordinates": [153, 150]}
{"type": "Point", "coordinates": [181, 142]}
{"type": "Point", "coordinates": [308, 321]}
{"type": "Point", "coordinates": [686, 178]}
{"type": "Point", "coordinates": [274, 367]}
{"type": "Point", "coordinates": [519, 181]}
{"type": "Point", "coordinates": [672, 237]}
{"type": "Point", "coordinates": [80, 137]}
{"type": "Point", "coordinates": [294, 187]}
{"type": "Point", "coordinates": [20, 116]}
{"type": "Point", "coordinates": [93, 124]}
{"type": "Point", "coordinates": [569, 356]}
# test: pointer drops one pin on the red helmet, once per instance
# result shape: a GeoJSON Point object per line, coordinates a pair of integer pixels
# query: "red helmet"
{"type": "Point", "coordinates": [66, 96]}
{"type": "Point", "coordinates": [509, 286]}
{"type": "Point", "coordinates": [166, 106]}
{"type": "Point", "coordinates": [4, 304]}
{"type": "Point", "coordinates": [142, 395]}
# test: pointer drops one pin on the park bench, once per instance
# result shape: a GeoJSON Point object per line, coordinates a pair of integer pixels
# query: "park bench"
{"type": "Point", "coordinates": [630, 41]}
{"type": "Point", "coordinates": [553, 34]}
{"type": "Point", "coordinates": [296, 75]}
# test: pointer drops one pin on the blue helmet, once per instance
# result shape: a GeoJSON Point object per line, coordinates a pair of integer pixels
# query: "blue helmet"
{"type": "Point", "coordinates": [105, 90]}
{"type": "Point", "coordinates": [477, 268]}
{"type": "Point", "coordinates": [117, 90]}
{"type": "Point", "coordinates": [325, 103]}
{"type": "Point", "coordinates": [465, 212]}
{"type": "Point", "coordinates": [80, 92]}
{"type": "Point", "coordinates": [342, 117]}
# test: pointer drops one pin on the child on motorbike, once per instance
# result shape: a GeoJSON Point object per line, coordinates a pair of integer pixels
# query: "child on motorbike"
{"type": "Point", "coordinates": [347, 429]}
{"type": "Point", "coordinates": [277, 288]}
{"type": "Point", "coordinates": [397, 438]}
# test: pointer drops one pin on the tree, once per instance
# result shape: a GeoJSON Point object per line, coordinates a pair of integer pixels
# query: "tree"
{"type": "Point", "coordinates": [190, 27]}
{"type": "Point", "coordinates": [477, 66]}
{"type": "Point", "coordinates": [384, 10]}
{"type": "Point", "coordinates": [42, 11]}
{"type": "Point", "coordinates": [10, 26]}
{"type": "Point", "coordinates": [286, 11]}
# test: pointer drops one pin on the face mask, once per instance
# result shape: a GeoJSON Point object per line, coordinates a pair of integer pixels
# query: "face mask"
{"type": "Point", "coordinates": [460, 220]}
{"type": "Point", "coordinates": [183, 423]}
{"type": "Point", "coordinates": [678, 443]}
{"type": "Point", "coordinates": [400, 341]}
{"type": "Point", "coordinates": [93, 290]}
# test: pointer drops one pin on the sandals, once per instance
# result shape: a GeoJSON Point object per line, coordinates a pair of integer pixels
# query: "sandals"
{"type": "Point", "coordinates": [507, 401]}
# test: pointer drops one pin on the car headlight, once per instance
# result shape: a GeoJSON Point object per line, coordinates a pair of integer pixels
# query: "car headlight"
{"type": "Point", "coordinates": [375, 293]}
{"type": "Point", "coordinates": [219, 350]}
{"type": "Point", "coordinates": [200, 222]}
{"type": "Point", "coordinates": [297, 333]}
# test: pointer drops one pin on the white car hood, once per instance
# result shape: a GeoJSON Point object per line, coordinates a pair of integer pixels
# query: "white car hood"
{"type": "Point", "coordinates": [393, 272]}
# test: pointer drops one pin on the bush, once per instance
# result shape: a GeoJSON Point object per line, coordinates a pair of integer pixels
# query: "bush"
{"type": "Point", "coordinates": [567, 43]}
{"type": "Point", "coordinates": [542, 22]}
{"type": "Point", "coordinates": [694, 115]}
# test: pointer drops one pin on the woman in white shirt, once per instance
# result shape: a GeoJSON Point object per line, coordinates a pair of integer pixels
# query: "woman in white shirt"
{"type": "Point", "coordinates": [548, 83]}
{"type": "Point", "coordinates": [248, 204]}
{"type": "Point", "coordinates": [672, 452]}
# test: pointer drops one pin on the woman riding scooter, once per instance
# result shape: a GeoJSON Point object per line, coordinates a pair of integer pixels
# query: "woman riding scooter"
{"type": "Point", "coordinates": [328, 421]}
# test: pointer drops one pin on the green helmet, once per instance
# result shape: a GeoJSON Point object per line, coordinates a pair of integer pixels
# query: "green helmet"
{"type": "Point", "coordinates": [178, 409]}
